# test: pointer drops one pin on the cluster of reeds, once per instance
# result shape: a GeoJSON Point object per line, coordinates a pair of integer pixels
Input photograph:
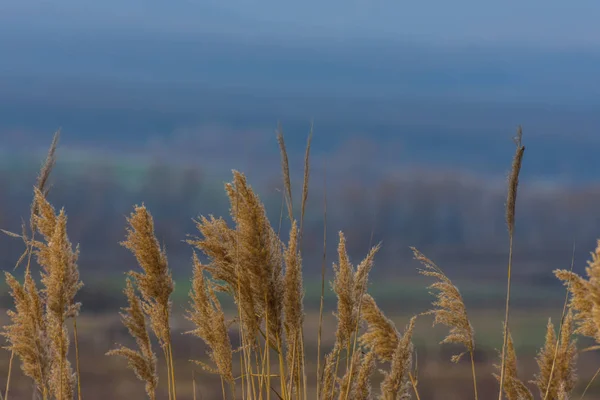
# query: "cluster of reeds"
{"type": "Point", "coordinates": [263, 275]}
{"type": "Point", "coordinates": [38, 333]}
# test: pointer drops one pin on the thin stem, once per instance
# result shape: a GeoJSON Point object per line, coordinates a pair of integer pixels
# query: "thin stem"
{"type": "Point", "coordinates": [268, 353]}
{"type": "Point", "coordinates": [75, 336]}
{"type": "Point", "coordinates": [281, 367]}
{"type": "Point", "coordinates": [474, 375]}
{"type": "Point", "coordinates": [590, 383]}
{"type": "Point", "coordinates": [320, 332]}
{"type": "Point", "coordinates": [172, 368]}
{"type": "Point", "coordinates": [194, 385]}
{"type": "Point", "coordinates": [414, 385]}
{"type": "Point", "coordinates": [506, 315]}
{"type": "Point", "coordinates": [10, 363]}
{"type": "Point", "coordinates": [165, 352]}
{"type": "Point", "coordinates": [562, 320]}
{"type": "Point", "coordinates": [61, 364]}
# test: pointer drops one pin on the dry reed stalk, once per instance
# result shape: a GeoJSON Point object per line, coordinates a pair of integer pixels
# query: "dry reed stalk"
{"type": "Point", "coordinates": [513, 183]}
{"type": "Point", "coordinates": [143, 360]}
{"type": "Point", "coordinates": [359, 291]}
{"type": "Point", "coordinates": [562, 321]}
{"type": "Point", "coordinates": [302, 213]}
{"type": "Point", "coordinates": [293, 306]}
{"type": "Point", "coordinates": [449, 309]}
{"type": "Point", "coordinates": [561, 379]}
{"type": "Point", "coordinates": [78, 373]}
{"type": "Point", "coordinates": [28, 335]}
{"type": "Point", "coordinates": [285, 168]}
{"type": "Point", "coordinates": [348, 285]}
{"type": "Point", "coordinates": [396, 382]}
{"type": "Point", "coordinates": [361, 388]}
{"type": "Point", "coordinates": [193, 385]}
{"type": "Point", "coordinates": [585, 296]}
{"type": "Point", "coordinates": [210, 325]}
{"type": "Point", "coordinates": [248, 262]}
{"type": "Point", "coordinates": [513, 388]}
{"type": "Point", "coordinates": [322, 297]}
{"type": "Point", "coordinates": [60, 277]}
{"type": "Point", "coordinates": [154, 283]}
{"type": "Point", "coordinates": [305, 181]}
{"type": "Point", "coordinates": [41, 183]}
{"type": "Point", "coordinates": [381, 336]}
{"type": "Point", "coordinates": [41, 186]}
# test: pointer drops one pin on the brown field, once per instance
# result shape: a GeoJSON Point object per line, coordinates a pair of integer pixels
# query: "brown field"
{"type": "Point", "coordinates": [105, 377]}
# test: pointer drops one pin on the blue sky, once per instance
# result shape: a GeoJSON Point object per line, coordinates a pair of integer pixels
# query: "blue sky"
{"type": "Point", "coordinates": [552, 24]}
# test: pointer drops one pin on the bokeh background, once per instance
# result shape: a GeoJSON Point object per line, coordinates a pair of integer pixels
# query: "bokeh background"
{"type": "Point", "coordinates": [413, 107]}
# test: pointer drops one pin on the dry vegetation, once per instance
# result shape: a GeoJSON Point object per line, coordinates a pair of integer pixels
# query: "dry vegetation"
{"type": "Point", "coordinates": [249, 262]}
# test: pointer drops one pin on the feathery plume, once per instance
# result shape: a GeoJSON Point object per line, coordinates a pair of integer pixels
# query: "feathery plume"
{"type": "Point", "coordinates": [292, 304]}
{"type": "Point", "coordinates": [154, 282]}
{"type": "Point", "coordinates": [28, 334]}
{"type": "Point", "coordinates": [209, 320]}
{"type": "Point", "coordinates": [449, 308]}
{"type": "Point", "coordinates": [396, 383]}
{"type": "Point", "coordinates": [361, 387]}
{"type": "Point", "coordinates": [548, 380]}
{"type": "Point", "coordinates": [143, 360]}
{"type": "Point", "coordinates": [585, 296]}
{"type": "Point", "coordinates": [381, 336]}
{"type": "Point", "coordinates": [513, 182]}
{"type": "Point", "coordinates": [514, 388]}
{"type": "Point", "coordinates": [285, 168]}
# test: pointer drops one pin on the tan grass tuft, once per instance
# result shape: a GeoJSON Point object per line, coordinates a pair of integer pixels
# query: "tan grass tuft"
{"type": "Point", "coordinates": [449, 308]}
{"type": "Point", "coordinates": [513, 182]}
{"type": "Point", "coordinates": [292, 304]}
{"type": "Point", "coordinates": [381, 336]}
{"type": "Point", "coordinates": [396, 383]}
{"type": "Point", "coordinates": [514, 388]}
{"type": "Point", "coordinates": [349, 286]}
{"type": "Point", "coordinates": [208, 317]}
{"type": "Point", "coordinates": [143, 360]}
{"type": "Point", "coordinates": [585, 296]}
{"type": "Point", "coordinates": [361, 387]}
{"type": "Point", "coordinates": [60, 277]}
{"type": "Point", "coordinates": [285, 168]}
{"type": "Point", "coordinates": [563, 377]}
{"type": "Point", "coordinates": [27, 336]}
{"type": "Point", "coordinates": [154, 282]}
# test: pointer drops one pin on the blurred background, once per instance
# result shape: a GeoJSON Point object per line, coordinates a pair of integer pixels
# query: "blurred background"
{"type": "Point", "coordinates": [413, 104]}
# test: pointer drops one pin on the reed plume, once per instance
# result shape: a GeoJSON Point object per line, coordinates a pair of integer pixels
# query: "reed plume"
{"type": "Point", "coordinates": [361, 386]}
{"type": "Point", "coordinates": [449, 309]}
{"type": "Point", "coordinates": [259, 252]}
{"type": "Point", "coordinates": [585, 296]}
{"type": "Point", "coordinates": [209, 320]}
{"type": "Point", "coordinates": [143, 360]}
{"type": "Point", "coordinates": [511, 201]}
{"type": "Point", "coordinates": [348, 286]}
{"type": "Point", "coordinates": [293, 306]}
{"type": "Point", "coordinates": [555, 382]}
{"type": "Point", "coordinates": [154, 283]}
{"type": "Point", "coordinates": [28, 334]}
{"type": "Point", "coordinates": [381, 335]}
{"type": "Point", "coordinates": [60, 277]}
{"type": "Point", "coordinates": [55, 303]}
{"type": "Point", "coordinates": [396, 383]}
{"type": "Point", "coordinates": [514, 388]}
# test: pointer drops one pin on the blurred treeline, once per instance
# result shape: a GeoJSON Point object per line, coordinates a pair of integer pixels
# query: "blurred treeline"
{"type": "Point", "coordinates": [457, 218]}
